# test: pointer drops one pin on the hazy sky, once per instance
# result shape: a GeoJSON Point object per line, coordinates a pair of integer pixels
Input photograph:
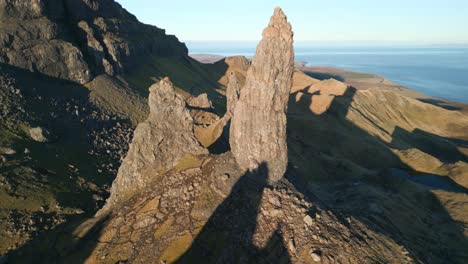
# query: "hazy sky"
{"type": "Point", "coordinates": [428, 21]}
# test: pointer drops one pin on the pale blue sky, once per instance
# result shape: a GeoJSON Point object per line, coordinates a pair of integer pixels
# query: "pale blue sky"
{"type": "Point", "coordinates": [422, 21]}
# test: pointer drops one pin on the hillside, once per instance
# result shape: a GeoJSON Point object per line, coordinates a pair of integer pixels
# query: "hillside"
{"type": "Point", "coordinates": [86, 113]}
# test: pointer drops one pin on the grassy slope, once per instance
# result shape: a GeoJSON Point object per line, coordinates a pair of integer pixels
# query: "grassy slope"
{"type": "Point", "coordinates": [42, 181]}
{"type": "Point", "coordinates": [188, 75]}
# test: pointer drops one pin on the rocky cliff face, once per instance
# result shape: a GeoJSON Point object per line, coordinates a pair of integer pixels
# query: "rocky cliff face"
{"type": "Point", "coordinates": [78, 39]}
{"type": "Point", "coordinates": [258, 128]}
{"type": "Point", "coordinates": [158, 144]}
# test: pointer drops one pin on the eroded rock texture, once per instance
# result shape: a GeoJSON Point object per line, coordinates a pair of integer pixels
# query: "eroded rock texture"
{"type": "Point", "coordinates": [232, 94]}
{"type": "Point", "coordinates": [158, 144]}
{"type": "Point", "coordinates": [258, 128]}
{"type": "Point", "coordinates": [200, 101]}
{"type": "Point", "coordinates": [78, 39]}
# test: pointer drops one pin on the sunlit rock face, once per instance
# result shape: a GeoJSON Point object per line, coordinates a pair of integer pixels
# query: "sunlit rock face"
{"type": "Point", "coordinates": [258, 129]}
{"type": "Point", "coordinates": [158, 143]}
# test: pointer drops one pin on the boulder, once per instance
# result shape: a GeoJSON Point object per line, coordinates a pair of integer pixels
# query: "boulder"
{"type": "Point", "coordinates": [40, 134]}
{"type": "Point", "coordinates": [200, 101]}
{"type": "Point", "coordinates": [258, 126]}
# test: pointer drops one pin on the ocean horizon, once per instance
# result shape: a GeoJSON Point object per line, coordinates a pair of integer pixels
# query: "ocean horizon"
{"type": "Point", "coordinates": [437, 71]}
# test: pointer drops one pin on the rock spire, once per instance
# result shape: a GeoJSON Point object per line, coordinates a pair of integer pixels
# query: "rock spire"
{"type": "Point", "coordinates": [158, 144]}
{"type": "Point", "coordinates": [258, 128]}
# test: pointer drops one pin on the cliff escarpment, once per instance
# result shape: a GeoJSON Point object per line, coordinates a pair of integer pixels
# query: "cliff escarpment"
{"type": "Point", "coordinates": [78, 40]}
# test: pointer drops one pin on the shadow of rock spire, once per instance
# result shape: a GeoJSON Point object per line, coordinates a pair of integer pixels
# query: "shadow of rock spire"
{"type": "Point", "coordinates": [228, 236]}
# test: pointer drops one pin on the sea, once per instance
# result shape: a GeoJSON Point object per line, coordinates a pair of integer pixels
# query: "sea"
{"type": "Point", "coordinates": [437, 71]}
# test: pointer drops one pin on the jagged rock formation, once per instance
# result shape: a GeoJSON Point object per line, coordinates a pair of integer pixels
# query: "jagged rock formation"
{"type": "Point", "coordinates": [258, 128]}
{"type": "Point", "coordinates": [78, 39]}
{"type": "Point", "coordinates": [232, 94]}
{"type": "Point", "coordinates": [158, 144]}
{"type": "Point", "coordinates": [208, 135]}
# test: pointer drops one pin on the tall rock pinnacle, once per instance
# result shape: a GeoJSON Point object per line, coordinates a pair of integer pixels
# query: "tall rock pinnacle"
{"type": "Point", "coordinates": [232, 94]}
{"type": "Point", "coordinates": [258, 128]}
{"type": "Point", "coordinates": [158, 143]}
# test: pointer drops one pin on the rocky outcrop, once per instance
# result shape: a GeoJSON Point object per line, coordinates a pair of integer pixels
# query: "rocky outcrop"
{"type": "Point", "coordinates": [158, 144]}
{"type": "Point", "coordinates": [40, 45]}
{"type": "Point", "coordinates": [258, 127]}
{"type": "Point", "coordinates": [31, 9]}
{"type": "Point", "coordinates": [232, 94]}
{"type": "Point", "coordinates": [200, 101]}
{"type": "Point", "coordinates": [78, 39]}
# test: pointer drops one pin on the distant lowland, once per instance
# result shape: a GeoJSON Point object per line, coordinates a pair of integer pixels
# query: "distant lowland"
{"type": "Point", "coordinates": [436, 71]}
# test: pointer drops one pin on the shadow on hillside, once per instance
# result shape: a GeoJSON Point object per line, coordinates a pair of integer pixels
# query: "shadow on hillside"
{"type": "Point", "coordinates": [440, 147]}
{"type": "Point", "coordinates": [191, 76]}
{"type": "Point", "coordinates": [439, 103]}
{"type": "Point", "coordinates": [228, 235]}
{"type": "Point", "coordinates": [70, 243]}
{"type": "Point", "coordinates": [324, 76]}
{"type": "Point", "coordinates": [330, 135]}
{"type": "Point", "coordinates": [436, 182]}
{"type": "Point", "coordinates": [402, 211]}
